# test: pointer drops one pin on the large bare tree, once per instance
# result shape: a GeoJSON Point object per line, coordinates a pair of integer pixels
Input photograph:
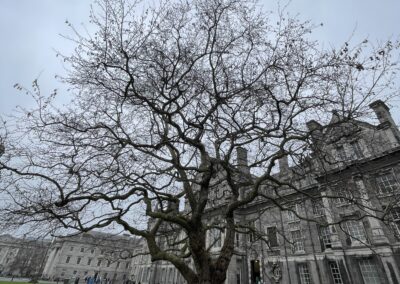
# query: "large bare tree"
{"type": "Point", "coordinates": [162, 101]}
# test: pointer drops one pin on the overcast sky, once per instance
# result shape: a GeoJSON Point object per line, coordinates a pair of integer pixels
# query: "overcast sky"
{"type": "Point", "coordinates": [29, 34]}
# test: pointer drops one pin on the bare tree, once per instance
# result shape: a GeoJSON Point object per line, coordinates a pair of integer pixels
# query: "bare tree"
{"type": "Point", "coordinates": [161, 103]}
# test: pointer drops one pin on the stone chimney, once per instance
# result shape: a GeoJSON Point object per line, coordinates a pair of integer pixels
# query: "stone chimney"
{"type": "Point", "coordinates": [385, 118]}
{"type": "Point", "coordinates": [315, 129]}
{"type": "Point", "coordinates": [283, 164]}
{"type": "Point", "coordinates": [241, 156]}
{"type": "Point", "coordinates": [382, 112]}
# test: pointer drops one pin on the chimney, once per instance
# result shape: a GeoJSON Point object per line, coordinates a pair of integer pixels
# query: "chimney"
{"type": "Point", "coordinates": [315, 129]}
{"type": "Point", "coordinates": [382, 112]}
{"type": "Point", "coordinates": [385, 118]}
{"type": "Point", "coordinates": [283, 164]}
{"type": "Point", "coordinates": [241, 156]}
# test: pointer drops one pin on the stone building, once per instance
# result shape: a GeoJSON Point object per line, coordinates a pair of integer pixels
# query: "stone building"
{"type": "Point", "coordinates": [22, 256]}
{"type": "Point", "coordinates": [86, 254]}
{"type": "Point", "coordinates": [341, 224]}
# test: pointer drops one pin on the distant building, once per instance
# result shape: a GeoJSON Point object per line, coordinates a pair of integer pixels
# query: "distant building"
{"type": "Point", "coordinates": [87, 254]}
{"type": "Point", "coordinates": [22, 256]}
{"type": "Point", "coordinates": [363, 248]}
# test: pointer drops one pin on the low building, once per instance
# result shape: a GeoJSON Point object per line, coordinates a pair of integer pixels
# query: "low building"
{"type": "Point", "coordinates": [22, 257]}
{"type": "Point", "coordinates": [87, 254]}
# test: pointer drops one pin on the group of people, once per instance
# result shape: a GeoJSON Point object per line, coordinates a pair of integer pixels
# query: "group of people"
{"type": "Point", "coordinates": [95, 279]}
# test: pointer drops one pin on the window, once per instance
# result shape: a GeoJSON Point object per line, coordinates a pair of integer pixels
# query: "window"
{"type": "Point", "coordinates": [99, 262]}
{"type": "Point", "coordinates": [305, 277]}
{"type": "Point", "coordinates": [296, 237]}
{"type": "Point", "coordinates": [343, 196]}
{"type": "Point", "coordinates": [335, 271]}
{"type": "Point", "coordinates": [78, 260]}
{"type": "Point", "coordinates": [75, 272]}
{"type": "Point", "coordinates": [71, 248]}
{"type": "Point", "coordinates": [325, 236]}
{"type": "Point", "coordinates": [341, 153]}
{"type": "Point", "coordinates": [92, 251]}
{"type": "Point", "coordinates": [272, 238]}
{"type": "Point", "coordinates": [102, 251]}
{"type": "Point", "coordinates": [108, 263]}
{"type": "Point", "coordinates": [215, 237]}
{"type": "Point", "coordinates": [355, 146]}
{"type": "Point", "coordinates": [369, 272]}
{"type": "Point", "coordinates": [318, 207]}
{"type": "Point", "coordinates": [68, 259]}
{"type": "Point", "coordinates": [89, 261]}
{"type": "Point", "coordinates": [291, 213]}
{"type": "Point", "coordinates": [355, 230]}
{"type": "Point", "coordinates": [394, 221]}
{"type": "Point", "coordinates": [127, 264]}
{"type": "Point", "coordinates": [237, 236]}
{"type": "Point", "coordinates": [82, 249]}
{"type": "Point", "coordinates": [118, 264]}
{"type": "Point", "coordinates": [387, 183]}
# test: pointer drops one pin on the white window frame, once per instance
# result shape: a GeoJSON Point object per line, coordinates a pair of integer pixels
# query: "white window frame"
{"type": "Point", "coordinates": [296, 237]}
{"type": "Point", "coordinates": [304, 274]}
{"type": "Point", "coordinates": [369, 271]}
{"type": "Point", "coordinates": [335, 272]}
{"type": "Point", "coordinates": [356, 231]}
{"type": "Point", "coordinates": [387, 183]}
{"type": "Point", "coordinates": [325, 235]}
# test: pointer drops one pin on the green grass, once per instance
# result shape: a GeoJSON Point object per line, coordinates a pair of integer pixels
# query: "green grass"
{"type": "Point", "coordinates": [12, 282]}
{"type": "Point", "coordinates": [19, 282]}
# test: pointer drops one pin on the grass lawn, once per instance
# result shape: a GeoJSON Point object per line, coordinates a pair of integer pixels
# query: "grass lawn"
{"type": "Point", "coordinates": [12, 282]}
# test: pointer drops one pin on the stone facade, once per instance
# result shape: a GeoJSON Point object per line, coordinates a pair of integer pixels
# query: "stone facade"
{"type": "Point", "coordinates": [86, 254]}
{"type": "Point", "coordinates": [22, 256]}
{"type": "Point", "coordinates": [355, 188]}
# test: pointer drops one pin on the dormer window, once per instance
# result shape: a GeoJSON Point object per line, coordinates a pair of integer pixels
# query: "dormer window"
{"type": "Point", "coordinates": [355, 146]}
{"type": "Point", "coordinates": [387, 183]}
{"type": "Point", "coordinates": [341, 153]}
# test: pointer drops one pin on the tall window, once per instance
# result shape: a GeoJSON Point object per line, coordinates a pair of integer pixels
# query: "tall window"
{"type": "Point", "coordinates": [82, 249]}
{"type": "Point", "coordinates": [215, 237]}
{"type": "Point", "coordinates": [325, 235]}
{"type": "Point", "coordinates": [394, 221]}
{"type": "Point", "coordinates": [318, 207]}
{"type": "Point", "coordinates": [108, 263]}
{"type": "Point", "coordinates": [71, 248]}
{"type": "Point", "coordinates": [272, 237]}
{"type": "Point", "coordinates": [355, 146]}
{"type": "Point", "coordinates": [387, 183]}
{"type": "Point", "coordinates": [68, 259]}
{"type": "Point", "coordinates": [370, 272]}
{"type": "Point", "coordinates": [89, 261]}
{"type": "Point", "coordinates": [341, 153]}
{"type": "Point", "coordinates": [99, 262]}
{"type": "Point", "coordinates": [292, 211]}
{"type": "Point", "coordinates": [304, 273]}
{"type": "Point", "coordinates": [78, 260]}
{"type": "Point", "coordinates": [355, 230]}
{"type": "Point", "coordinates": [296, 237]}
{"type": "Point", "coordinates": [335, 271]}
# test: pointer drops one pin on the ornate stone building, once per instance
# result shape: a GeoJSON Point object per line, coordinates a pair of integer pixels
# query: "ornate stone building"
{"type": "Point", "coordinates": [86, 254]}
{"type": "Point", "coordinates": [341, 224]}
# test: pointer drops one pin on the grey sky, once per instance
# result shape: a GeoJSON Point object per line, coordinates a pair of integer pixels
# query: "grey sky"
{"type": "Point", "coordinates": [29, 31]}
